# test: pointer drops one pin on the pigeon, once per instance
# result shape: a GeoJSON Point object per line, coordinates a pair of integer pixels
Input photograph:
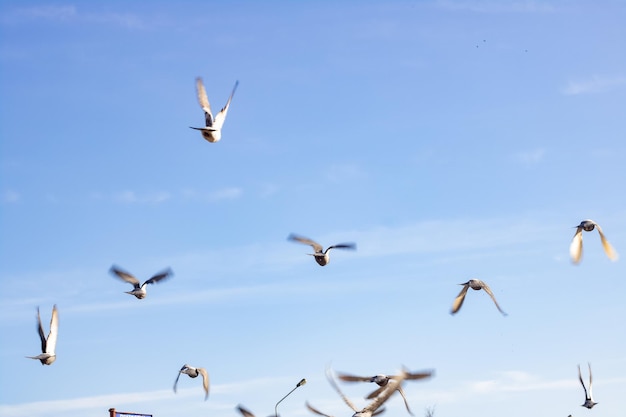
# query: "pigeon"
{"type": "Point", "coordinates": [213, 130]}
{"type": "Point", "coordinates": [373, 408]}
{"type": "Point", "coordinates": [321, 255]}
{"type": "Point", "coordinates": [588, 395]}
{"type": "Point", "coordinates": [382, 381]}
{"type": "Point", "coordinates": [475, 284]}
{"type": "Point", "coordinates": [48, 345]}
{"type": "Point", "coordinates": [139, 291]}
{"type": "Point", "coordinates": [576, 247]}
{"type": "Point", "coordinates": [193, 373]}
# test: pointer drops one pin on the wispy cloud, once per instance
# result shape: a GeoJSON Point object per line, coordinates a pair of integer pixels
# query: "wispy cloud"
{"type": "Point", "coordinates": [594, 84]}
{"type": "Point", "coordinates": [130, 197]}
{"type": "Point", "coordinates": [531, 157]}
{"type": "Point", "coordinates": [72, 14]}
{"type": "Point", "coordinates": [10, 196]}
{"type": "Point", "coordinates": [228, 193]}
{"type": "Point", "coordinates": [494, 6]}
{"type": "Point", "coordinates": [121, 400]}
{"type": "Point", "coordinates": [346, 171]}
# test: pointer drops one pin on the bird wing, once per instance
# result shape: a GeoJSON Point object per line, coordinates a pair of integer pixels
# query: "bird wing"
{"type": "Point", "coordinates": [392, 387]}
{"type": "Point", "coordinates": [418, 375]}
{"type": "Point", "coordinates": [51, 341]}
{"type": "Point", "coordinates": [345, 399]}
{"type": "Point", "coordinates": [316, 246]}
{"type": "Point", "coordinates": [176, 382]}
{"type": "Point", "coordinates": [42, 335]}
{"type": "Point", "coordinates": [124, 276]}
{"type": "Point", "coordinates": [458, 301]}
{"type": "Point", "coordinates": [244, 412]}
{"type": "Point", "coordinates": [488, 291]}
{"type": "Point", "coordinates": [376, 392]}
{"type": "Point", "coordinates": [342, 246]}
{"type": "Point", "coordinates": [221, 116]}
{"type": "Point", "coordinates": [315, 410]}
{"type": "Point", "coordinates": [590, 382]}
{"type": "Point", "coordinates": [352, 378]}
{"type": "Point", "coordinates": [608, 249]}
{"type": "Point", "coordinates": [576, 247]}
{"type": "Point", "coordinates": [406, 404]}
{"type": "Point", "coordinates": [160, 276]}
{"type": "Point", "coordinates": [205, 381]}
{"type": "Point", "coordinates": [203, 100]}
{"type": "Point", "coordinates": [580, 378]}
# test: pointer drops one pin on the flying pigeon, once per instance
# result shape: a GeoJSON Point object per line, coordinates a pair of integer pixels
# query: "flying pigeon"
{"type": "Point", "coordinates": [213, 130]}
{"type": "Point", "coordinates": [139, 291]}
{"type": "Point", "coordinates": [321, 255]}
{"type": "Point", "coordinates": [372, 408]}
{"type": "Point", "coordinates": [382, 381]}
{"type": "Point", "coordinates": [48, 345]}
{"type": "Point", "coordinates": [588, 396]}
{"type": "Point", "coordinates": [193, 373]}
{"type": "Point", "coordinates": [576, 247]}
{"type": "Point", "coordinates": [474, 284]}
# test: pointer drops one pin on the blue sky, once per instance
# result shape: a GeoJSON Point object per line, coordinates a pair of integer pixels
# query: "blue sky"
{"type": "Point", "coordinates": [448, 139]}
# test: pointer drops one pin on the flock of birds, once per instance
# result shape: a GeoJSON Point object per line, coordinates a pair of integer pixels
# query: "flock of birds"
{"type": "Point", "coordinates": [387, 384]}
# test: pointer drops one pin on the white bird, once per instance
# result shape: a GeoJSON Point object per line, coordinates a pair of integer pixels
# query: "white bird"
{"type": "Point", "coordinates": [193, 373]}
{"type": "Point", "coordinates": [474, 284]}
{"type": "Point", "coordinates": [382, 381]}
{"type": "Point", "coordinates": [576, 247]}
{"type": "Point", "coordinates": [321, 255]}
{"type": "Point", "coordinates": [48, 345]}
{"type": "Point", "coordinates": [588, 395]}
{"type": "Point", "coordinates": [213, 130]}
{"type": "Point", "coordinates": [139, 290]}
{"type": "Point", "coordinates": [372, 408]}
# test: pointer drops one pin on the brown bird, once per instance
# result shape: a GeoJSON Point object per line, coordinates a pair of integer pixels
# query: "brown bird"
{"type": "Point", "coordinates": [321, 255]}
{"type": "Point", "coordinates": [48, 345]}
{"type": "Point", "coordinates": [213, 129]}
{"type": "Point", "coordinates": [373, 408]}
{"type": "Point", "coordinates": [576, 247]}
{"type": "Point", "coordinates": [382, 381]}
{"type": "Point", "coordinates": [474, 284]}
{"type": "Point", "coordinates": [193, 373]}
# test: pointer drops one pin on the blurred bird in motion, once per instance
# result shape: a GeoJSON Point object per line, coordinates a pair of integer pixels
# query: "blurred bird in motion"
{"type": "Point", "coordinates": [474, 284]}
{"type": "Point", "coordinates": [213, 129]}
{"type": "Point", "coordinates": [193, 373]}
{"type": "Point", "coordinates": [321, 255]}
{"type": "Point", "coordinates": [373, 408]}
{"type": "Point", "coordinates": [48, 345]}
{"type": "Point", "coordinates": [588, 396]}
{"type": "Point", "coordinates": [576, 247]}
{"type": "Point", "coordinates": [139, 290]}
{"type": "Point", "coordinates": [382, 381]}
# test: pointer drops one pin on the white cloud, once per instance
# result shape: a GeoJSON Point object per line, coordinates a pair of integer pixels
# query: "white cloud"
{"type": "Point", "coordinates": [342, 172]}
{"type": "Point", "coordinates": [594, 84]}
{"type": "Point", "coordinates": [531, 157]}
{"type": "Point", "coordinates": [495, 6]}
{"type": "Point", "coordinates": [103, 402]}
{"type": "Point", "coordinates": [10, 196]}
{"type": "Point", "coordinates": [130, 197]}
{"type": "Point", "coordinates": [71, 13]}
{"type": "Point", "coordinates": [228, 193]}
